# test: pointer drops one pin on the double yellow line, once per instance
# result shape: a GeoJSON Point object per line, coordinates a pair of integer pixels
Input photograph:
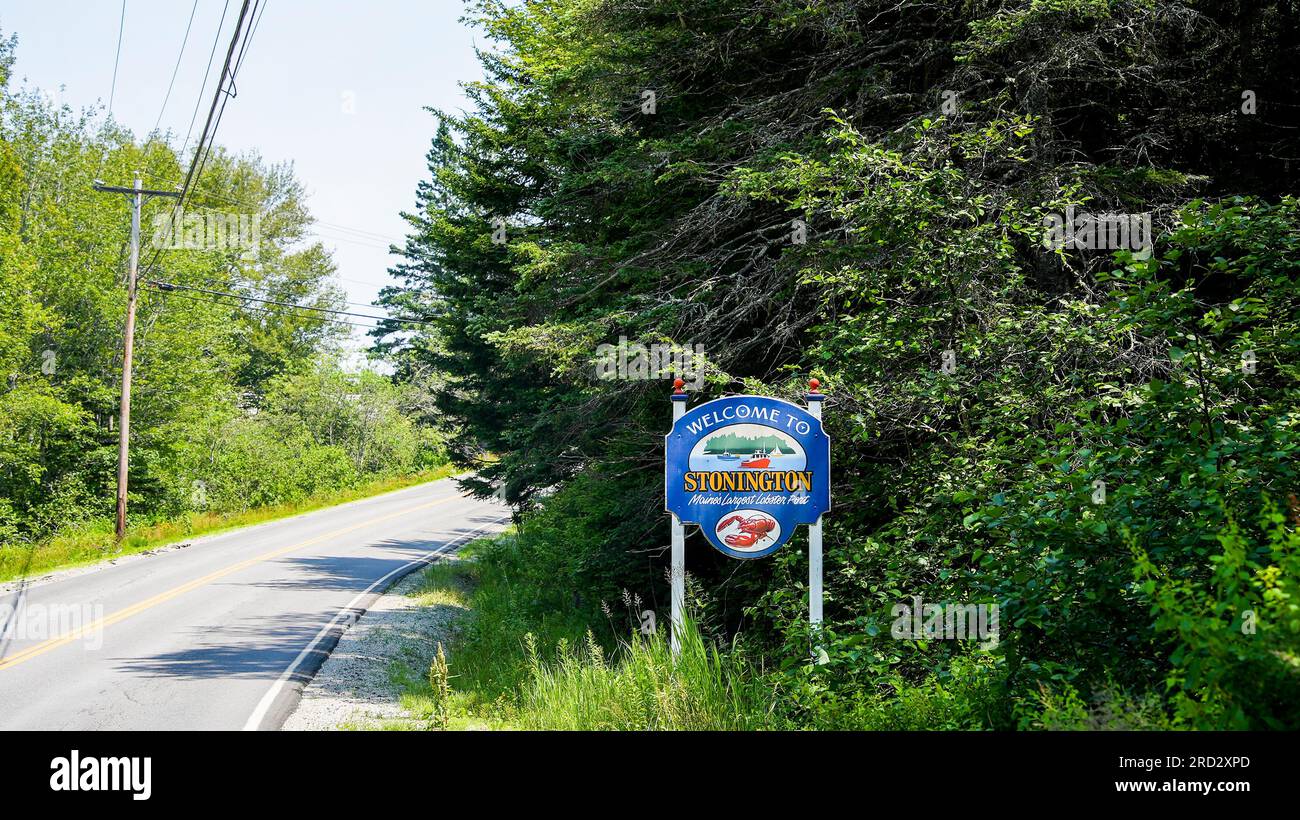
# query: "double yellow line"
{"type": "Point", "coordinates": [162, 597]}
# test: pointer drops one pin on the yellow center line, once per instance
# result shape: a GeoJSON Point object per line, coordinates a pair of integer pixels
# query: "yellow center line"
{"type": "Point", "coordinates": [162, 597]}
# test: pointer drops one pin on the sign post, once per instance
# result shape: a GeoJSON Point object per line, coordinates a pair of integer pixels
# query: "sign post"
{"type": "Point", "coordinates": [748, 470]}
{"type": "Point", "coordinates": [814, 399]}
{"type": "Point", "coordinates": [678, 570]}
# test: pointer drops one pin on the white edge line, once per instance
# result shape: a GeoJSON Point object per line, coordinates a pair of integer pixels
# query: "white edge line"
{"type": "Point", "coordinates": [264, 705]}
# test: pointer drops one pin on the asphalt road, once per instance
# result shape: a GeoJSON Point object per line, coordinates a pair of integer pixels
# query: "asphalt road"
{"type": "Point", "coordinates": [221, 634]}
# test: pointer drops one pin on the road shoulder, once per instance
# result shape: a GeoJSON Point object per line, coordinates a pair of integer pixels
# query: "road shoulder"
{"type": "Point", "coordinates": [384, 655]}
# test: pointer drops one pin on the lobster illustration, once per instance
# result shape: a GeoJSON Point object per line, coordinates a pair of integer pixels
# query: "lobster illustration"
{"type": "Point", "coordinates": [752, 529]}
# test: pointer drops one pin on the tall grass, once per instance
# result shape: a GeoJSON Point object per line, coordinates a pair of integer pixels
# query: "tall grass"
{"type": "Point", "coordinates": [489, 660]}
{"type": "Point", "coordinates": [642, 687]}
{"type": "Point", "coordinates": [529, 655]}
{"type": "Point", "coordinates": [94, 541]}
{"type": "Point", "coordinates": [522, 660]}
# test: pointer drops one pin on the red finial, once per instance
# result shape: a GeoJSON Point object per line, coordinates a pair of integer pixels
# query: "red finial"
{"type": "Point", "coordinates": [813, 384]}
{"type": "Point", "coordinates": [677, 387]}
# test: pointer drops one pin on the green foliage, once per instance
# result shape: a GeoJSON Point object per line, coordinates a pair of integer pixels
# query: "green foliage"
{"type": "Point", "coordinates": [440, 686]}
{"type": "Point", "coordinates": [524, 660]}
{"type": "Point", "coordinates": [922, 148]}
{"type": "Point", "coordinates": [512, 599]}
{"type": "Point", "coordinates": [965, 695]}
{"type": "Point", "coordinates": [235, 404]}
{"type": "Point", "coordinates": [643, 688]}
{"type": "Point", "coordinates": [1065, 709]}
{"type": "Point", "coordinates": [1235, 635]}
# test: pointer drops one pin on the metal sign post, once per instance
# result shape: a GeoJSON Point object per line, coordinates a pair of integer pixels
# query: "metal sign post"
{"type": "Point", "coordinates": [814, 399]}
{"type": "Point", "coordinates": [748, 470]}
{"type": "Point", "coordinates": [678, 570]}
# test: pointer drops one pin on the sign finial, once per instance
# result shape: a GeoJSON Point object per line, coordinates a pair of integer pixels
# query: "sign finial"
{"type": "Point", "coordinates": [814, 392]}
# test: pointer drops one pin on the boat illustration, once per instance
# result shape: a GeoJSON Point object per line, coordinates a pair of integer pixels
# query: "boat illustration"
{"type": "Point", "coordinates": [726, 456]}
{"type": "Point", "coordinates": [759, 461]}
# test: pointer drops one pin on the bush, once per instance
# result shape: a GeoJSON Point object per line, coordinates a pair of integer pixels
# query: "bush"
{"type": "Point", "coordinates": [1234, 636]}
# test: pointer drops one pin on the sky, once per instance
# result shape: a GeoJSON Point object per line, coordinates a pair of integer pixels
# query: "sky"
{"type": "Point", "coordinates": [337, 88]}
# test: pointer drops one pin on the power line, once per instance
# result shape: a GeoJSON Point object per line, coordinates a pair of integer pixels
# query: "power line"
{"type": "Point", "coordinates": [355, 236]}
{"type": "Point", "coordinates": [239, 61]}
{"type": "Point", "coordinates": [403, 319]}
{"type": "Point", "coordinates": [348, 239]}
{"type": "Point", "coordinates": [184, 41]}
{"type": "Point", "coordinates": [264, 311]}
{"type": "Point", "coordinates": [252, 206]}
{"type": "Point", "coordinates": [206, 72]}
{"type": "Point", "coordinates": [216, 98]}
{"type": "Point", "coordinates": [195, 164]}
{"type": "Point", "coordinates": [368, 283]}
{"type": "Point", "coordinates": [360, 233]}
{"type": "Point", "coordinates": [166, 286]}
{"type": "Point", "coordinates": [255, 206]}
{"type": "Point", "coordinates": [230, 71]}
{"type": "Point", "coordinates": [112, 91]}
{"type": "Point", "coordinates": [229, 286]}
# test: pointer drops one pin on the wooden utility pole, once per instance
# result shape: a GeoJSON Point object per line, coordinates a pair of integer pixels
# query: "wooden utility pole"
{"type": "Point", "coordinates": [138, 195]}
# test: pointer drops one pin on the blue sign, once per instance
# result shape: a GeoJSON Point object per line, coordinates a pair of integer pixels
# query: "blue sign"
{"type": "Point", "coordinates": [748, 470]}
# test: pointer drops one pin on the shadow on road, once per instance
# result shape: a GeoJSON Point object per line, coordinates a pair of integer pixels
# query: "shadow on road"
{"type": "Point", "coordinates": [253, 648]}
{"type": "Point", "coordinates": [353, 573]}
{"type": "Point", "coordinates": [264, 646]}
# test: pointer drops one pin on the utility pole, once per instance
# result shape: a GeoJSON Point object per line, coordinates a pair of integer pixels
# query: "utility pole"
{"type": "Point", "coordinates": [138, 195]}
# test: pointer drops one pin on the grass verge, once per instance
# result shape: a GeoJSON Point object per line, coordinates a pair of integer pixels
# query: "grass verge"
{"type": "Point", "coordinates": [520, 657]}
{"type": "Point", "coordinates": [94, 542]}
{"type": "Point", "coordinates": [533, 650]}
{"type": "Point", "coordinates": [509, 669]}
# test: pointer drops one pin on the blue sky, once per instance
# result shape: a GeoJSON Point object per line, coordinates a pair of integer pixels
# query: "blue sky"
{"type": "Point", "coordinates": [338, 88]}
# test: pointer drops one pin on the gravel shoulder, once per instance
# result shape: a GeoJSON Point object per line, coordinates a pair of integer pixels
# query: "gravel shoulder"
{"type": "Point", "coordinates": [360, 685]}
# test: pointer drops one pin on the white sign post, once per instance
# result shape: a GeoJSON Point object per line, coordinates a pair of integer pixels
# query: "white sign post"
{"type": "Point", "coordinates": [815, 399]}
{"type": "Point", "coordinates": [678, 570]}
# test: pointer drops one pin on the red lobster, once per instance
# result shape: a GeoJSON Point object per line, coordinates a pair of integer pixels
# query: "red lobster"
{"type": "Point", "coordinates": [752, 530]}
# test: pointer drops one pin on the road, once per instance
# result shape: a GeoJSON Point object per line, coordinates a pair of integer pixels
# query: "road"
{"type": "Point", "coordinates": [221, 634]}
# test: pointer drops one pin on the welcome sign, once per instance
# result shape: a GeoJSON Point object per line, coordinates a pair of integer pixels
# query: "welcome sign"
{"type": "Point", "coordinates": [747, 470]}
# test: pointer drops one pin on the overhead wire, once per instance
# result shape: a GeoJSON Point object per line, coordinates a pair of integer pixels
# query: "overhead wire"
{"type": "Point", "coordinates": [175, 69]}
{"type": "Point", "coordinates": [190, 176]}
{"type": "Point", "coordinates": [361, 232]}
{"type": "Point", "coordinates": [166, 286]}
{"type": "Point", "coordinates": [263, 311]}
{"type": "Point", "coordinates": [201, 155]}
{"type": "Point", "coordinates": [220, 96]}
{"type": "Point", "coordinates": [230, 286]}
{"type": "Point", "coordinates": [216, 40]}
{"type": "Point", "coordinates": [112, 91]}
